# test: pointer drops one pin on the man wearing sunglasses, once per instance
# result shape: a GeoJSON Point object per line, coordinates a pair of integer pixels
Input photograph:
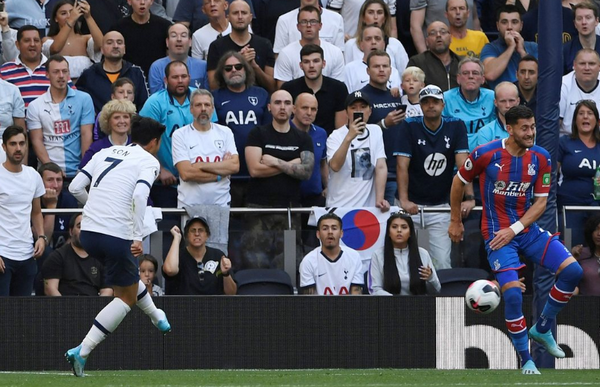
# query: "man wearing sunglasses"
{"type": "Point", "coordinates": [195, 268]}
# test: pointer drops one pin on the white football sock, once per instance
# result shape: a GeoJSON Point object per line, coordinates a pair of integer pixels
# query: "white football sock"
{"type": "Point", "coordinates": [147, 305]}
{"type": "Point", "coordinates": [106, 322]}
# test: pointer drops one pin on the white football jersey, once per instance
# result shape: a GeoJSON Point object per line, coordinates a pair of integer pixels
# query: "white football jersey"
{"type": "Point", "coordinates": [332, 277]}
{"type": "Point", "coordinates": [570, 95]}
{"type": "Point", "coordinates": [194, 146]}
{"type": "Point", "coordinates": [114, 173]}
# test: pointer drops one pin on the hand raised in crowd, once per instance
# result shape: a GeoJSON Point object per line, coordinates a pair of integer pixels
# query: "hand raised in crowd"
{"type": "Point", "coordinates": [176, 232]}
{"type": "Point", "coordinates": [356, 128]}
{"type": "Point", "coordinates": [4, 21]}
{"type": "Point", "coordinates": [50, 198]}
{"type": "Point", "coordinates": [225, 265]}
{"type": "Point", "coordinates": [394, 117]}
{"type": "Point", "coordinates": [249, 54]}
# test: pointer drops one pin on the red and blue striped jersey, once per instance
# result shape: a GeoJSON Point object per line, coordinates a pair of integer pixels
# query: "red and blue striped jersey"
{"type": "Point", "coordinates": [508, 183]}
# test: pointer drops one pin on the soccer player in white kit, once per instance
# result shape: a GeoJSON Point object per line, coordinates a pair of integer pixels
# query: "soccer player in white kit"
{"type": "Point", "coordinates": [111, 228]}
{"type": "Point", "coordinates": [331, 269]}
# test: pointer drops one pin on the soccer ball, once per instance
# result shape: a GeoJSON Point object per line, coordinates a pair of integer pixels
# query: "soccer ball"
{"type": "Point", "coordinates": [482, 296]}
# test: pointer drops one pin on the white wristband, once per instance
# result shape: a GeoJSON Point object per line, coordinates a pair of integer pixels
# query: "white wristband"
{"type": "Point", "coordinates": [382, 123]}
{"type": "Point", "coordinates": [517, 227]}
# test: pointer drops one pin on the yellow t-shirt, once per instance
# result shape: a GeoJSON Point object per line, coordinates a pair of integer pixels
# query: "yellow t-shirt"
{"type": "Point", "coordinates": [470, 45]}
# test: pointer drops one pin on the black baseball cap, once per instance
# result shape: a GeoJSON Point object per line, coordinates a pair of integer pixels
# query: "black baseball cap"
{"type": "Point", "coordinates": [196, 218]}
{"type": "Point", "coordinates": [357, 96]}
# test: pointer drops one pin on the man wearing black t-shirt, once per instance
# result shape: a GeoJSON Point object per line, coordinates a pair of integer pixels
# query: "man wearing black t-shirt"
{"type": "Point", "coordinates": [255, 49]}
{"type": "Point", "coordinates": [279, 157]}
{"type": "Point", "coordinates": [145, 35]}
{"type": "Point", "coordinates": [70, 271]}
{"type": "Point", "coordinates": [330, 92]}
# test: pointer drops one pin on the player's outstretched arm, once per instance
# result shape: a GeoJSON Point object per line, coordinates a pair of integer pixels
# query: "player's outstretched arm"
{"type": "Point", "coordinates": [456, 228]}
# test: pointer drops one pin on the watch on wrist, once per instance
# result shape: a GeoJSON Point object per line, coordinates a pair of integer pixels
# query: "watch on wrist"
{"type": "Point", "coordinates": [45, 238]}
{"type": "Point", "coordinates": [226, 274]}
{"type": "Point", "coordinates": [468, 197]}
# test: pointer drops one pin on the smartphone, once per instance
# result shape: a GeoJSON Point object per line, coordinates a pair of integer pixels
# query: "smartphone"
{"type": "Point", "coordinates": [401, 108]}
{"type": "Point", "coordinates": [358, 115]}
{"type": "Point", "coordinates": [1, 6]}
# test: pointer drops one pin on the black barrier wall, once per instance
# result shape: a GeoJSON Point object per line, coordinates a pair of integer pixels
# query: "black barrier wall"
{"type": "Point", "coordinates": [283, 332]}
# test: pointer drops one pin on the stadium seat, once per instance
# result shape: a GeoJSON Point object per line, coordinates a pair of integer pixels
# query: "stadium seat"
{"type": "Point", "coordinates": [456, 281]}
{"type": "Point", "coordinates": [263, 282]}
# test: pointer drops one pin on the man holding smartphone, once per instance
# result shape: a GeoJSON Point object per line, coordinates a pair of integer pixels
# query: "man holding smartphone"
{"type": "Point", "coordinates": [387, 111]}
{"type": "Point", "coordinates": [356, 159]}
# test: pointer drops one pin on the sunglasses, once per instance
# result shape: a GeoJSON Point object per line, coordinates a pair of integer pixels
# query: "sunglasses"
{"type": "Point", "coordinates": [229, 68]}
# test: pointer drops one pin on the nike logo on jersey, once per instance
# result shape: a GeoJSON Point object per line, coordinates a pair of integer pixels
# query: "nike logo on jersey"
{"type": "Point", "coordinates": [193, 146]}
{"type": "Point", "coordinates": [577, 151]}
{"type": "Point", "coordinates": [499, 166]}
{"type": "Point", "coordinates": [321, 275]}
{"type": "Point", "coordinates": [225, 103]}
{"type": "Point", "coordinates": [365, 81]}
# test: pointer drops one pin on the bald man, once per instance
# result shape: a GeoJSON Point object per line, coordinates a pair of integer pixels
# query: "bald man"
{"type": "Point", "coordinates": [279, 158]}
{"type": "Point", "coordinates": [506, 96]}
{"type": "Point", "coordinates": [98, 79]}
{"type": "Point", "coordinates": [305, 111]}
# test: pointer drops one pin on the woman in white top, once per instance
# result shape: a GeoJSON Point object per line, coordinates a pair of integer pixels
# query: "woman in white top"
{"type": "Point", "coordinates": [376, 12]}
{"type": "Point", "coordinates": [65, 38]}
{"type": "Point", "coordinates": [401, 267]}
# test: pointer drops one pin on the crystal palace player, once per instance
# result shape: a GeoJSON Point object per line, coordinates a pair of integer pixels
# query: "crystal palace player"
{"type": "Point", "coordinates": [512, 172]}
{"type": "Point", "coordinates": [111, 228]}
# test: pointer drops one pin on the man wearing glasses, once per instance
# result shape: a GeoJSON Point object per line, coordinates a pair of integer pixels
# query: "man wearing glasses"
{"type": "Point", "coordinates": [439, 64]}
{"type": "Point", "coordinates": [287, 65]}
{"type": "Point", "coordinates": [194, 268]}
{"type": "Point", "coordinates": [470, 102]}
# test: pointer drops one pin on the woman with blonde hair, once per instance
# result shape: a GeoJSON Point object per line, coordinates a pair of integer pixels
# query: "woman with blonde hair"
{"type": "Point", "coordinates": [115, 121]}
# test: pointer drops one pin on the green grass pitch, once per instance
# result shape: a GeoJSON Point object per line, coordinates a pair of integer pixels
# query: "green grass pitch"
{"type": "Point", "coordinates": [304, 378]}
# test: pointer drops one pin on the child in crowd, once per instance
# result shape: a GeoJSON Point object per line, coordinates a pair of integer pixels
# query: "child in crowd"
{"type": "Point", "coordinates": [122, 88]}
{"type": "Point", "coordinates": [413, 80]}
{"type": "Point", "coordinates": [148, 269]}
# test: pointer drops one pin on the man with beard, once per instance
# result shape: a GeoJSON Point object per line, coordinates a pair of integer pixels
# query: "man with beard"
{"type": "Point", "coordinates": [71, 271]}
{"type": "Point", "coordinates": [205, 155]}
{"type": "Point", "coordinates": [255, 49]}
{"type": "Point", "coordinates": [527, 80]}
{"type": "Point", "coordinates": [329, 91]}
{"type": "Point", "coordinates": [241, 106]}
{"type": "Point", "coordinates": [331, 269]}
{"type": "Point", "coordinates": [98, 79]}
{"type": "Point", "coordinates": [20, 211]}
{"type": "Point", "coordinates": [439, 64]}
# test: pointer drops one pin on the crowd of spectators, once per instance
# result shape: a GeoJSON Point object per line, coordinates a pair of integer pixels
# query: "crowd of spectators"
{"type": "Point", "coordinates": [278, 104]}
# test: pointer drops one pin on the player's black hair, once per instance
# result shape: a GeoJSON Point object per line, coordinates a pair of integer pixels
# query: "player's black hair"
{"type": "Point", "coordinates": [175, 63]}
{"type": "Point", "coordinates": [507, 8]}
{"type": "Point", "coordinates": [516, 113]}
{"type": "Point", "coordinates": [144, 130]}
{"type": "Point", "coordinates": [529, 58]}
{"type": "Point", "coordinates": [11, 131]}
{"type": "Point", "coordinates": [590, 104]}
{"type": "Point", "coordinates": [391, 277]}
{"type": "Point", "coordinates": [26, 27]}
{"type": "Point", "coordinates": [309, 8]}
{"type": "Point", "coordinates": [329, 215]}
{"type": "Point", "coordinates": [309, 49]}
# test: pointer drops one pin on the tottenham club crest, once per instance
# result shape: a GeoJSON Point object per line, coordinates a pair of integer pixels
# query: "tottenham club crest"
{"type": "Point", "coordinates": [253, 100]}
{"type": "Point", "coordinates": [219, 144]}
